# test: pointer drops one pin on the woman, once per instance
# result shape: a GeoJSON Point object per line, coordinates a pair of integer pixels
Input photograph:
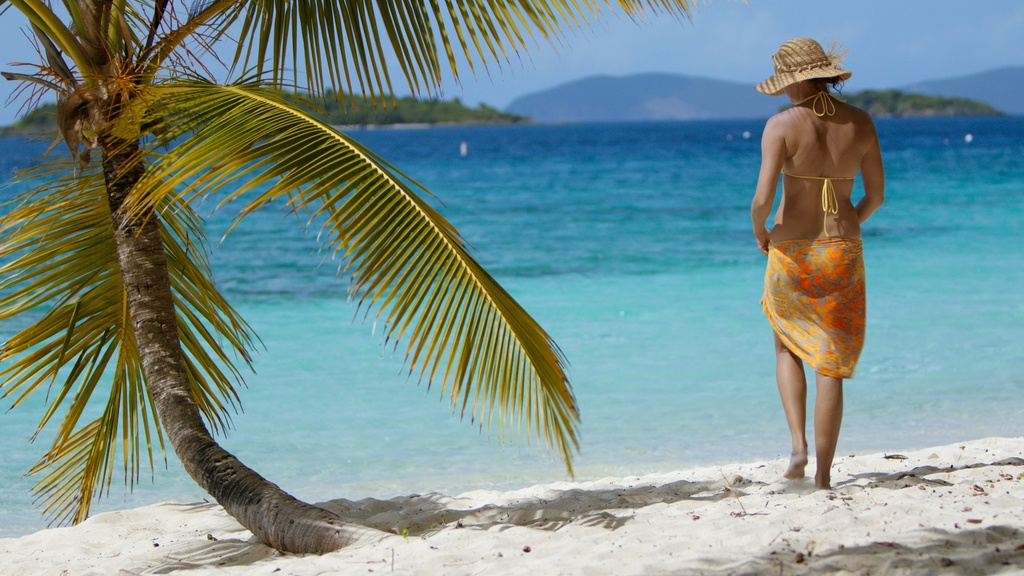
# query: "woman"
{"type": "Point", "coordinates": [814, 282]}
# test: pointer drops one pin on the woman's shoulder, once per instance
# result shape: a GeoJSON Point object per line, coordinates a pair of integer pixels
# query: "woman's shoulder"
{"type": "Point", "coordinates": [859, 115]}
{"type": "Point", "coordinates": [779, 126]}
{"type": "Point", "coordinates": [783, 118]}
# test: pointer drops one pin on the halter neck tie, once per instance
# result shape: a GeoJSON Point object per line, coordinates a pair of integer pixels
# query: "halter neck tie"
{"type": "Point", "coordinates": [821, 103]}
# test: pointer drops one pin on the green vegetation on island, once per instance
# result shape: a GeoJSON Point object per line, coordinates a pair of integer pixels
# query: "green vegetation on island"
{"type": "Point", "coordinates": [405, 110]}
{"type": "Point", "coordinates": [41, 119]}
{"type": "Point", "coordinates": [897, 104]}
{"type": "Point", "coordinates": [347, 111]}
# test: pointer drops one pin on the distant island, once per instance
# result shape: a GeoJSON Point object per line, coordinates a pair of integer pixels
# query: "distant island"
{"type": "Point", "coordinates": [897, 104]}
{"type": "Point", "coordinates": [358, 111]}
{"type": "Point", "coordinates": [348, 112]}
{"type": "Point", "coordinates": [42, 119]}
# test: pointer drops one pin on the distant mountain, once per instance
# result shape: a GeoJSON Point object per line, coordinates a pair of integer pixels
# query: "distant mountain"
{"type": "Point", "coordinates": [1002, 88]}
{"type": "Point", "coordinates": [645, 97]}
{"type": "Point", "coordinates": [677, 97]}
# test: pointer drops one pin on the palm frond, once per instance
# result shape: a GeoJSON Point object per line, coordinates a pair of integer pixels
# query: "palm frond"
{"type": "Point", "coordinates": [60, 272]}
{"type": "Point", "coordinates": [205, 21]}
{"type": "Point", "coordinates": [46, 21]}
{"type": "Point", "coordinates": [54, 58]}
{"type": "Point", "coordinates": [461, 328]}
{"type": "Point", "coordinates": [674, 7]}
{"type": "Point", "coordinates": [347, 44]}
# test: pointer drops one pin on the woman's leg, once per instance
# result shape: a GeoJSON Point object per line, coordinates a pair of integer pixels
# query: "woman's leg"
{"type": "Point", "coordinates": [828, 416]}
{"type": "Point", "coordinates": [789, 374]}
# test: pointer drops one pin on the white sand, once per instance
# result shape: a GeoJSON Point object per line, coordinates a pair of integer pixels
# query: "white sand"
{"type": "Point", "coordinates": [955, 509]}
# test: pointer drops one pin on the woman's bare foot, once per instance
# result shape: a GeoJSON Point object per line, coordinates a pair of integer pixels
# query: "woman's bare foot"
{"type": "Point", "coordinates": [822, 483]}
{"type": "Point", "coordinates": [797, 462]}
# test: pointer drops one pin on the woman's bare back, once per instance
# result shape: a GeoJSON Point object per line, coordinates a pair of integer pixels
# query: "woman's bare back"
{"type": "Point", "coordinates": [809, 145]}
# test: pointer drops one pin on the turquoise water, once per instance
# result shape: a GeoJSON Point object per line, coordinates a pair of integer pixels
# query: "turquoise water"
{"type": "Point", "coordinates": [631, 244]}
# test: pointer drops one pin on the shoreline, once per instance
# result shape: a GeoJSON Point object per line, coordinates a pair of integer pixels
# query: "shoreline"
{"type": "Point", "coordinates": [953, 509]}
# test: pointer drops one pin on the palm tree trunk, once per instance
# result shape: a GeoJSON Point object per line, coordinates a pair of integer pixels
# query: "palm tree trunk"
{"type": "Point", "coordinates": [275, 517]}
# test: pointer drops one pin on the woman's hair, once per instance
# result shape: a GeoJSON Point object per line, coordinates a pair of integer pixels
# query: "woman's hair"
{"type": "Point", "coordinates": [836, 82]}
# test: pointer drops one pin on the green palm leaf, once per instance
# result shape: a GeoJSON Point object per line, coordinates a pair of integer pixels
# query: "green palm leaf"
{"type": "Point", "coordinates": [347, 44]}
{"type": "Point", "coordinates": [60, 274]}
{"type": "Point", "coordinates": [460, 327]}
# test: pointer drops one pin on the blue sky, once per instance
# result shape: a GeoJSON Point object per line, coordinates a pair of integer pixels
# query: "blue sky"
{"type": "Point", "coordinates": [891, 43]}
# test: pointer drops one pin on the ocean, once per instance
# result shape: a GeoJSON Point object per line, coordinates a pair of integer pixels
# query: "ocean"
{"type": "Point", "coordinates": [631, 244]}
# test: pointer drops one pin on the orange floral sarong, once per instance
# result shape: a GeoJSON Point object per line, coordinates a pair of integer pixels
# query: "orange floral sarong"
{"type": "Point", "coordinates": [814, 300]}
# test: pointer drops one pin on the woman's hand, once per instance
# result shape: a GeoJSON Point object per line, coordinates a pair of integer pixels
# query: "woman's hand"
{"type": "Point", "coordinates": [763, 238]}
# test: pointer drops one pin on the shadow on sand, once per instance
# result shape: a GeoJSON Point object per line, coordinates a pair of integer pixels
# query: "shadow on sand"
{"type": "Point", "coordinates": [978, 551]}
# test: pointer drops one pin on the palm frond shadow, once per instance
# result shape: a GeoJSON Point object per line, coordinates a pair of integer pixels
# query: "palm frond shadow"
{"type": "Point", "coordinates": [970, 551]}
{"type": "Point", "coordinates": [420, 515]}
{"type": "Point", "coordinates": [215, 549]}
{"type": "Point", "coordinates": [982, 551]}
{"type": "Point", "coordinates": [919, 475]}
{"type": "Point", "coordinates": [895, 480]}
{"type": "Point", "coordinates": [195, 555]}
{"type": "Point", "coordinates": [610, 509]}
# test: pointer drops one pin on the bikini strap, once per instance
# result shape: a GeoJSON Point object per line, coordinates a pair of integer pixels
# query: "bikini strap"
{"type": "Point", "coordinates": [829, 203]}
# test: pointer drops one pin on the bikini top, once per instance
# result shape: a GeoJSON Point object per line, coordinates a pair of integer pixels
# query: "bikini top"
{"type": "Point", "coordinates": [829, 202]}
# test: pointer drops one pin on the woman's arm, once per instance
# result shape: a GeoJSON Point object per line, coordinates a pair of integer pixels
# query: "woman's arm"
{"type": "Point", "coordinates": [873, 175]}
{"type": "Point", "coordinates": [773, 155]}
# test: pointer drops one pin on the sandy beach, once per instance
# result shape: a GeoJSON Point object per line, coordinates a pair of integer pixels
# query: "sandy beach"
{"type": "Point", "coordinates": [952, 509]}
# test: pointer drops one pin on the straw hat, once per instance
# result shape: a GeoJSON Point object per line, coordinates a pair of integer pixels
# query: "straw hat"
{"type": "Point", "coordinates": [802, 59]}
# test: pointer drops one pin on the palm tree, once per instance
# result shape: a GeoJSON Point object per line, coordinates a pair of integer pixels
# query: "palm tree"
{"type": "Point", "coordinates": [106, 258]}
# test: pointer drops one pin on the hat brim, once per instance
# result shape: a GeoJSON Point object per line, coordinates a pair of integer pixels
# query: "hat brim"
{"type": "Point", "coordinates": [777, 83]}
